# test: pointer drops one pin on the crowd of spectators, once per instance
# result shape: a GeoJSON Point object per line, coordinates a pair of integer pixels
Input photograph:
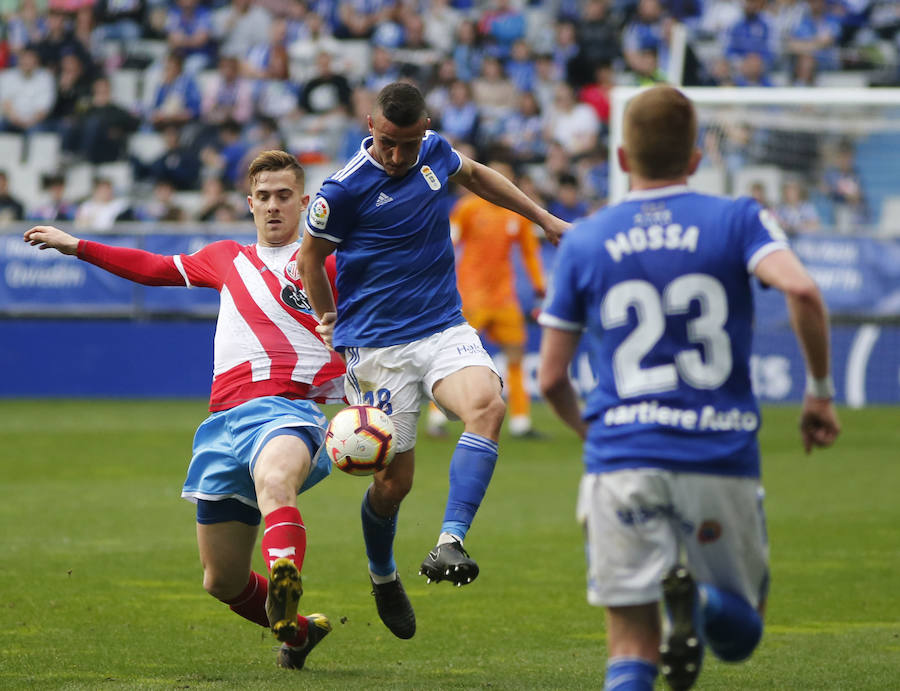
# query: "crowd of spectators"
{"type": "Point", "coordinates": [236, 77]}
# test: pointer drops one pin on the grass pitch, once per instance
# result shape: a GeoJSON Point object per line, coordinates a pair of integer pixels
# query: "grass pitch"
{"type": "Point", "coordinates": [101, 581]}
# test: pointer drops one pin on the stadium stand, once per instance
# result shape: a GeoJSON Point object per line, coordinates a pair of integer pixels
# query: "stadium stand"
{"type": "Point", "coordinates": [557, 43]}
{"type": "Point", "coordinates": [841, 153]}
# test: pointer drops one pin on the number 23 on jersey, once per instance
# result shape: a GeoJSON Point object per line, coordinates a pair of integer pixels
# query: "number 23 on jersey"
{"type": "Point", "coordinates": [708, 368]}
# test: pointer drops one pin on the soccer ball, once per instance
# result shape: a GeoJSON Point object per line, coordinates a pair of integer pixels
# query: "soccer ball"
{"type": "Point", "coordinates": [360, 440]}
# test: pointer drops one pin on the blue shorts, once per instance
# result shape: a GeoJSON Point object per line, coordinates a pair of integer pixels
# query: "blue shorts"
{"type": "Point", "coordinates": [224, 510]}
{"type": "Point", "coordinates": [228, 442]}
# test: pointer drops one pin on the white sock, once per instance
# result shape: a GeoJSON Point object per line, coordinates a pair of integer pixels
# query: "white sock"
{"type": "Point", "coordinates": [381, 580]}
{"type": "Point", "coordinates": [436, 418]}
{"type": "Point", "coordinates": [446, 538]}
{"type": "Point", "coordinates": [519, 424]}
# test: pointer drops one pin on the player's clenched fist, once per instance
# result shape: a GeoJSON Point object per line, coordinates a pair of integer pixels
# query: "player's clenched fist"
{"type": "Point", "coordinates": [49, 237]}
{"type": "Point", "coordinates": [819, 426]}
{"type": "Point", "coordinates": [554, 230]}
{"type": "Point", "coordinates": [325, 329]}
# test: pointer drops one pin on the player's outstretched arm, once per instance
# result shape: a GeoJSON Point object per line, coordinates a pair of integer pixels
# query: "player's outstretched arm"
{"type": "Point", "coordinates": [50, 237]}
{"type": "Point", "coordinates": [819, 425]}
{"type": "Point", "coordinates": [557, 350]}
{"type": "Point", "coordinates": [136, 265]}
{"type": "Point", "coordinates": [491, 185]}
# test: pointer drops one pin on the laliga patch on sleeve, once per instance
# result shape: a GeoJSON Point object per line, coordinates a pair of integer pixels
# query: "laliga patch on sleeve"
{"type": "Point", "coordinates": [318, 213]}
{"type": "Point", "coordinates": [770, 223]}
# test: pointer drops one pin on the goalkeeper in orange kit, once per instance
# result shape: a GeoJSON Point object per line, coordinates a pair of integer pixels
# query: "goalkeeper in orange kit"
{"type": "Point", "coordinates": [486, 235]}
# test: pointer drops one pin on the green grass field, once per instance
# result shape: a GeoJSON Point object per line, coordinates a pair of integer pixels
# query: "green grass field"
{"type": "Point", "coordinates": [101, 581]}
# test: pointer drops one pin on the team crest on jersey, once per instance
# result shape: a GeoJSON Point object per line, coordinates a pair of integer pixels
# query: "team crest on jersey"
{"type": "Point", "coordinates": [292, 296]}
{"type": "Point", "coordinates": [318, 213]}
{"type": "Point", "coordinates": [430, 178]}
{"type": "Point", "coordinates": [709, 531]}
{"type": "Point", "coordinates": [291, 271]}
{"type": "Point", "coordinates": [770, 223]}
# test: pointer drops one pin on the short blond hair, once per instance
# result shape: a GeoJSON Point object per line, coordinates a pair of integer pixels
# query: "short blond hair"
{"type": "Point", "coordinates": [660, 133]}
{"type": "Point", "coordinates": [274, 160]}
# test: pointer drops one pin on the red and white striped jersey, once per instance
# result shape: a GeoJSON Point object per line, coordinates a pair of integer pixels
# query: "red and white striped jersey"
{"type": "Point", "coordinates": [266, 343]}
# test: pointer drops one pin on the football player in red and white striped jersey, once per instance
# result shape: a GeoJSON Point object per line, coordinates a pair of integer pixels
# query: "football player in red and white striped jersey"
{"type": "Point", "coordinates": [259, 448]}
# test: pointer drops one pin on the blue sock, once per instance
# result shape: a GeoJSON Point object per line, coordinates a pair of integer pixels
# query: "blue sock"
{"type": "Point", "coordinates": [730, 626]}
{"type": "Point", "coordinates": [629, 674]}
{"type": "Point", "coordinates": [378, 534]}
{"type": "Point", "coordinates": [470, 472]}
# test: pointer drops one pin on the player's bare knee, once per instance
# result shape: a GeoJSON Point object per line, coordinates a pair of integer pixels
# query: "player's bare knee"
{"type": "Point", "coordinates": [279, 483]}
{"type": "Point", "coordinates": [276, 487]}
{"type": "Point", "coordinates": [496, 410]}
{"type": "Point", "coordinates": [220, 585]}
{"type": "Point", "coordinates": [485, 416]}
{"type": "Point", "coordinates": [387, 493]}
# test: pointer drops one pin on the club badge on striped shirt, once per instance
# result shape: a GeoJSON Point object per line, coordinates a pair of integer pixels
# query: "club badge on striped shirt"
{"type": "Point", "coordinates": [291, 270]}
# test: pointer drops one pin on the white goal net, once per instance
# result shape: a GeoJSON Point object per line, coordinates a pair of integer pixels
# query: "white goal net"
{"type": "Point", "coordinates": [825, 159]}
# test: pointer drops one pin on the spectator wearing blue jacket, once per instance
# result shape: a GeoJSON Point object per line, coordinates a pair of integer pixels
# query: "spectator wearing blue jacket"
{"type": "Point", "coordinates": [468, 52]}
{"type": "Point", "coordinates": [646, 32]}
{"type": "Point", "coordinates": [753, 33]}
{"type": "Point", "coordinates": [178, 165]}
{"type": "Point", "coordinates": [520, 66]}
{"type": "Point", "coordinates": [502, 26]}
{"type": "Point", "coordinates": [177, 99]}
{"type": "Point", "coordinates": [189, 27]}
{"type": "Point", "coordinates": [460, 119]}
{"type": "Point", "coordinates": [568, 204]}
{"type": "Point", "coordinates": [751, 71]}
{"type": "Point", "coordinates": [818, 34]}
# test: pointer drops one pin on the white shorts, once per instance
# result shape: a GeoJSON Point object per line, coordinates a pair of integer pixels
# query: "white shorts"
{"type": "Point", "coordinates": [637, 522]}
{"type": "Point", "coordinates": [399, 379]}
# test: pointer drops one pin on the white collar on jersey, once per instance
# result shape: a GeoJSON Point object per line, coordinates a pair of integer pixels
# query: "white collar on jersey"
{"type": "Point", "coordinates": [364, 147]}
{"type": "Point", "coordinates": [656, 193]}
{"type": "Point", "coordinates": [276, 257]}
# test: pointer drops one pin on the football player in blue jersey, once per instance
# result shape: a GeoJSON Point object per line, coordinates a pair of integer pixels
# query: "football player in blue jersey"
{"type": "Point", "coordinates": [660, 286]}
{"type": "Point", "coordinates": [399, 322]}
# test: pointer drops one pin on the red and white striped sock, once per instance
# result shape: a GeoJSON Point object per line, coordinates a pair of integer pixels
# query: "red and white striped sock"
{"type": "Point", "coordinates": [284, 536]}
{"type": "Point", "coordinates": [251, 603]}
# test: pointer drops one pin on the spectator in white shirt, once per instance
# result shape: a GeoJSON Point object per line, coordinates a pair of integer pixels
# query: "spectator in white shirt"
{"type": "Point", "coordinates": [573, 125]}
{"type": "Point", "coordinates": [27, 95]}
{"type": "Point", "coordinates": [240, 25]}
{"type": "Point", "coordinates": [440, 27]}
{"type": "Point", "coordinates": [102, 209]}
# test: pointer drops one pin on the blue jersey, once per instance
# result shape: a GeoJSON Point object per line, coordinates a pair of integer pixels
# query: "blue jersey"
{"type": "Point", "coordinates": [661, 286]}
{"type": "Point", "coordinates": [396, 274]}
